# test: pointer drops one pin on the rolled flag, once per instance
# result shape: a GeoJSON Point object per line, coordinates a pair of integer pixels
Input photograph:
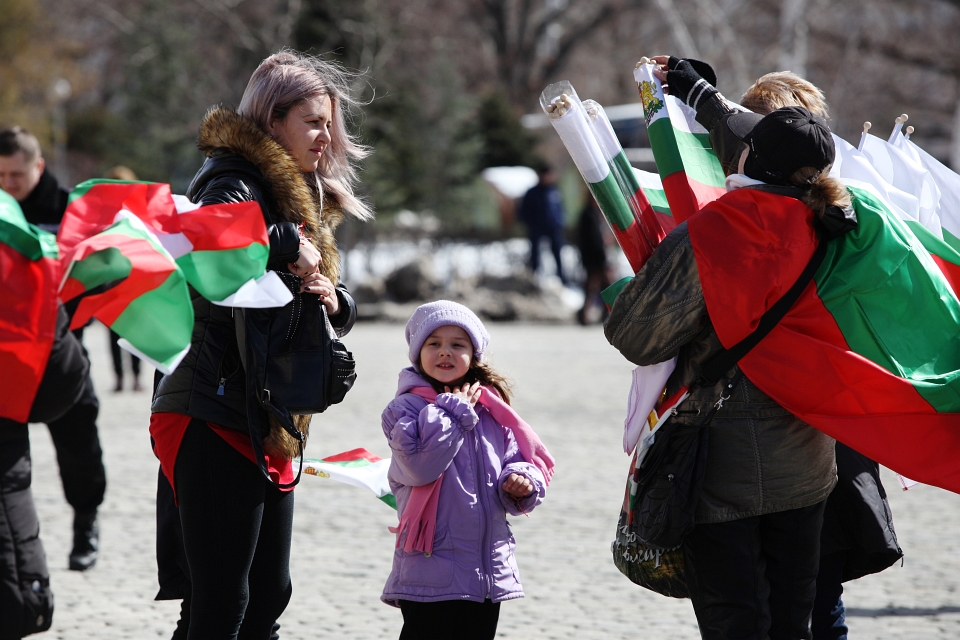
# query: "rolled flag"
{"type": "Point", "coordinates": [221, 249]}
{"type": "Point", "coordinates": [567, 115]}
{"type": "Point", "coordinates": [691, 173]}
{"type": "Point", "coordinates": [357, 467]}
{"type": "Point", "coordinates": [149, 306]}
{"type": "Point", "coordinates": [643, 212]}
{"type": "Point", "coordinates": [29, 275]}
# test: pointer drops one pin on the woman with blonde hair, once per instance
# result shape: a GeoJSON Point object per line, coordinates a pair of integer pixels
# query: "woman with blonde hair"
{"type": "Point", "coordinates": [224, 516]}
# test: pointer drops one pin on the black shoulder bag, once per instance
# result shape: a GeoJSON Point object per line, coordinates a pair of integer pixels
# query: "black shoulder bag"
{"type": "Point", "coordinates": [671, 475]}
{"type": "Point", "coordinates": [295, 364]}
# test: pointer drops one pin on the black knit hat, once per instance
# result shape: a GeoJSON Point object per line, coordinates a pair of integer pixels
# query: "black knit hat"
{"type": "Point", "coordinates": [783, 141]}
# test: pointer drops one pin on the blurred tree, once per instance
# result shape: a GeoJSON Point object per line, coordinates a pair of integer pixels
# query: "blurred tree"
{"type": "Point", "coordinates": [505, 141]}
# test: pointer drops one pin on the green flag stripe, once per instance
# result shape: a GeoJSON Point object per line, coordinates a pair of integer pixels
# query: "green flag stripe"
{"type": "Point", "coordinates": [951, 240]}
{"type": "Point", "coordinates": [390, 499]}
{"type": "Point", "coordinates": [18, 234]}
{"type": "Point", "coordinates": [675, 150]}
{"type": "Point", "coordinates": [612, 203]}
{"type": "Point", "coordinates": [160, 322]}
{"type": "Point", "coordinates": [902, 316]}
{"type": "Point", "coordinates": [101, 267]}
{"type": "Point", "coordinates": [218, 274]}
{"type": "Point", "coordinates": [622, 166]}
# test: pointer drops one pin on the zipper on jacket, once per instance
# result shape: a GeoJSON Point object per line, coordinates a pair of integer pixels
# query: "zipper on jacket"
{"type": "Point", "coordinates": [223, 381]}
{"type": "Point", "coordinates": [481, 489]}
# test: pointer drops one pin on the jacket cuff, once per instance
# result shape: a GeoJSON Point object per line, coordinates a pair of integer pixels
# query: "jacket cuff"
{"type": "Point", "coordinates": [460, 409]}
{"type": "Point", "coordinates": [345, 319]}
{"type": "Point", "coordinates": [284, 245]}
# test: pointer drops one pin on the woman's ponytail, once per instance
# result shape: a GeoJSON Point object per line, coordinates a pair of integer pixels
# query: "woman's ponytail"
{"type": "Point", "coordinates": [820, 190]}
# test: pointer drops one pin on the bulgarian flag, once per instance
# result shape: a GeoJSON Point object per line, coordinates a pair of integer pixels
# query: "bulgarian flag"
{"type": "Point", "coordinates": [869, 354]}
{"type": "Point", "coordinates": [358, 468]}
{"type": "Point", "coordinates": [570, 120]}
{"type": "Point", "coordinates": [29, 275]}
{"type": "Point", "coordinates": [687, 164]}
{"type": "Point", "coordinates": [948, 183]}
{"type": "Point", "coordinates": [219, 248]}
{"type": "Point", "coordinates": [150, 305]}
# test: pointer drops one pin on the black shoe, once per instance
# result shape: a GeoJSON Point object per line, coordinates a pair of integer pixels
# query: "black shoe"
{"type": "Point", "coordinates": [86, 541]}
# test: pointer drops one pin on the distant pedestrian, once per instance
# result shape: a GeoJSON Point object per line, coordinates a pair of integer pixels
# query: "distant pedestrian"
{"type": "Point", "coordinates": [462, 460]}
{"type": "Point", "coordinates": [541, 210]}
{"type": "Point", "coordinates": [121, 172]}
{"type": "Point", "coordinates": [593, 256]}
{"type": "Point", "coordinates": [23, 174]}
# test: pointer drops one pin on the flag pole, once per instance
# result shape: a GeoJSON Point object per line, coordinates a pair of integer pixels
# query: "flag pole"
{"type": "Point", "coordinates": [899, 122]}
{"type": "Point", "coordinates": [863, 136]}
{"type": "Point", "coordinates": [910, 131]}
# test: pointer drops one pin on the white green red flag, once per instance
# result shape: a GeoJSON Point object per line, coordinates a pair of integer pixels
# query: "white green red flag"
{"type": "Point", "coordinates": [149, 306]}
{"type": "Point", "coordinates": [29, 275]}
{"type": "Point", "coordinates": [689, 168]}
{"type": "Point", "coordinates": [869, 354]}
{"type": "Point", "coordinates": [358, 468]}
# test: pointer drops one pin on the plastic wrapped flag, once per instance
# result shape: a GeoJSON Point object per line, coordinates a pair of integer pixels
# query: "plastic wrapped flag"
{"type": "Point", "coordinates": [569, 119]}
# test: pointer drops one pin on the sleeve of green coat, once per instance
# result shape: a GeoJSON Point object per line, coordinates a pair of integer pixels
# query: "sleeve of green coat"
{"type": "Point", "coordinates": [662, 308]}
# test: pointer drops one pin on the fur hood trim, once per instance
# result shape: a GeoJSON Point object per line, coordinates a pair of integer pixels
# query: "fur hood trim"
{"type": "Point", "coordinates": [225, 129]}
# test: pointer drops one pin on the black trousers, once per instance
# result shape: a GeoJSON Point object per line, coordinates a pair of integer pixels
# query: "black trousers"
{"type": "Point", "coordinates": [755, 578]}
{"type": "Point", "coordinates": [26, 602]}
{"type": "Point", "coordinates": [236, 540]}
{"type": "Point", "coordinates": [461, 619]}
{"type": "Point", "coordinates": [116, 353]}
{"type": "Point", "coordinates": [79, 455]}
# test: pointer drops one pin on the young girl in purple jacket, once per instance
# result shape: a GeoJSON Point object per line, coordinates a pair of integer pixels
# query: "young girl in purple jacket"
{"type": "Point", "coordinates": [462, 460]}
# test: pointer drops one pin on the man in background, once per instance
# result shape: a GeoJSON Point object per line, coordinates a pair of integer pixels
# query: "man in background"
{"type": "Point", "coordinates": [542, 212]}
{"type": "Point", "coordinates": [24, 176]}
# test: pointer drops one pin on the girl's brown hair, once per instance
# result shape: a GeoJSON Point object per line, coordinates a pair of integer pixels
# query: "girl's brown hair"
{"type": "Point", "coordinates": [820, 190]}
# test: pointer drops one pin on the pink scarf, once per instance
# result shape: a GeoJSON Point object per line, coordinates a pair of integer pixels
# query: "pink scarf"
{"type": "Point", "coordinates": [419, 517]}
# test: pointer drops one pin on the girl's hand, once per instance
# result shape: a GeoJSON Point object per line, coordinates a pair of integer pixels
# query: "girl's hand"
{"type": "Point", "coordinates": [321, 285]}
{"type": "Point", "coordinates": [308, 262]}
{"type": "Point", "coordinates": [517, 486]}
{"type": "Point", "coordinates": [468, 392]}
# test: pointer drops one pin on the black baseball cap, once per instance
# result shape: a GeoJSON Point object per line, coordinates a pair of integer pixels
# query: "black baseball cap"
{"type": "Point", "coordinates": [783, 141]}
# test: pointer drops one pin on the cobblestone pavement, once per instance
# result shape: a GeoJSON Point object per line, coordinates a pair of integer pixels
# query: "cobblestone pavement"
{"type": "Point", "coordinates": [571, 386]}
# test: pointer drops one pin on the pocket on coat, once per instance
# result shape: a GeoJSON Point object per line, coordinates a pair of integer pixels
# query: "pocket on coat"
{"type": "Point", "coordinates": [433, 569]}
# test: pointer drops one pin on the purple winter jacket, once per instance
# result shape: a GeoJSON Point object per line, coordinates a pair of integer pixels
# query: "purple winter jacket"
{"type": "Point", "coordinates": [472, 555]}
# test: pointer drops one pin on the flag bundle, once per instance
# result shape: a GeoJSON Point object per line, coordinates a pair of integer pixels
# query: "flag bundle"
{"type": "Point", "coordinates": [29, 275]}
{"type": "Point", "coordinates": [600, 159]}
{"type": "Point", "coordinates": [147, 245]}
{"type": "Point", "coordinates": [689, 168]}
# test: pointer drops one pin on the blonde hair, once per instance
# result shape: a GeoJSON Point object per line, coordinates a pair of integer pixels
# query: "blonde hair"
{"type": "Point", "coordinates": [120, 172]}
{"type": "Point", "coordinates": [289, 77]}
{"type": "Point", "coordinates": [784, 89]}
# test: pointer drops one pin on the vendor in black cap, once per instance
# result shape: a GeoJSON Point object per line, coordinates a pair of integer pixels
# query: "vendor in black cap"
{"type": "Point", "coordinates": [751, 561]}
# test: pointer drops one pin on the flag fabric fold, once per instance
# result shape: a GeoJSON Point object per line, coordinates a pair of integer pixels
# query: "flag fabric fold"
{"type": "Point", "coordinates": [29, 275]}
{"type": "Point", "coordinates": [358, 468]}
{"type": "Point", "coordinates": [873, 342]}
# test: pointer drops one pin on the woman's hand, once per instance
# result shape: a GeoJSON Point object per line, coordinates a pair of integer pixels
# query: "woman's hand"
{"type": "Point", "coordinates": [321, 285]}
{"type": "Point", "coordinates": [308, 262]}
{"type": "Point", "coordinates": [662, 68]}
{"type": "Point", "coordinates": [517, 486]}
{"type": "Point", "coordinates": [468, 392]}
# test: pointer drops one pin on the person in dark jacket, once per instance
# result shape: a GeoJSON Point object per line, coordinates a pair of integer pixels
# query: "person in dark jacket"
{"type": "Point", "coordinates": [593, 256]}
{"type": "Point", "coordinates": [541, 210]}
{"type": "Point", "coordinates": [26, 599]}
{"type": "Point", "coordinates": [751, 561]}
{"type": "Point", "coordinates": [23, 175]}
{"type": "Point", "coordinates": [224, 529]}
{"type": "Point", "coordinates": [858, 537]}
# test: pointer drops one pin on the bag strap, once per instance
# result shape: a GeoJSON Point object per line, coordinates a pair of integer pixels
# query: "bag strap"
{"type": "Point", "coordinates": [725, 360]}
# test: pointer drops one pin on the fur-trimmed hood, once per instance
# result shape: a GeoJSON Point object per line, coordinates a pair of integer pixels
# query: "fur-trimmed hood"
{"type": "Point", "coordinates": [224, 129]}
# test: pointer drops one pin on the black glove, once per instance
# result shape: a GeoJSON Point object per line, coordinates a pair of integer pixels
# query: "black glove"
{"type": "Point", "coordinates": [691, 80]}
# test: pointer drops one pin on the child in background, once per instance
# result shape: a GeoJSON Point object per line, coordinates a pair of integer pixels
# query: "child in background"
{"type": "Point", "coordinates": [462, 460]}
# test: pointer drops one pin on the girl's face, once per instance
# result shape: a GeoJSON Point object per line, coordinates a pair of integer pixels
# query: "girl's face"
{"type": "Point", "coordinates": [305, 132]}
{"type": "Point", "coordinates": [447, 354]}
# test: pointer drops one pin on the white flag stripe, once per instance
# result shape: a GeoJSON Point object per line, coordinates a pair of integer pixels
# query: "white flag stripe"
{"type": "Point", "coordinates": [372, 476]}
